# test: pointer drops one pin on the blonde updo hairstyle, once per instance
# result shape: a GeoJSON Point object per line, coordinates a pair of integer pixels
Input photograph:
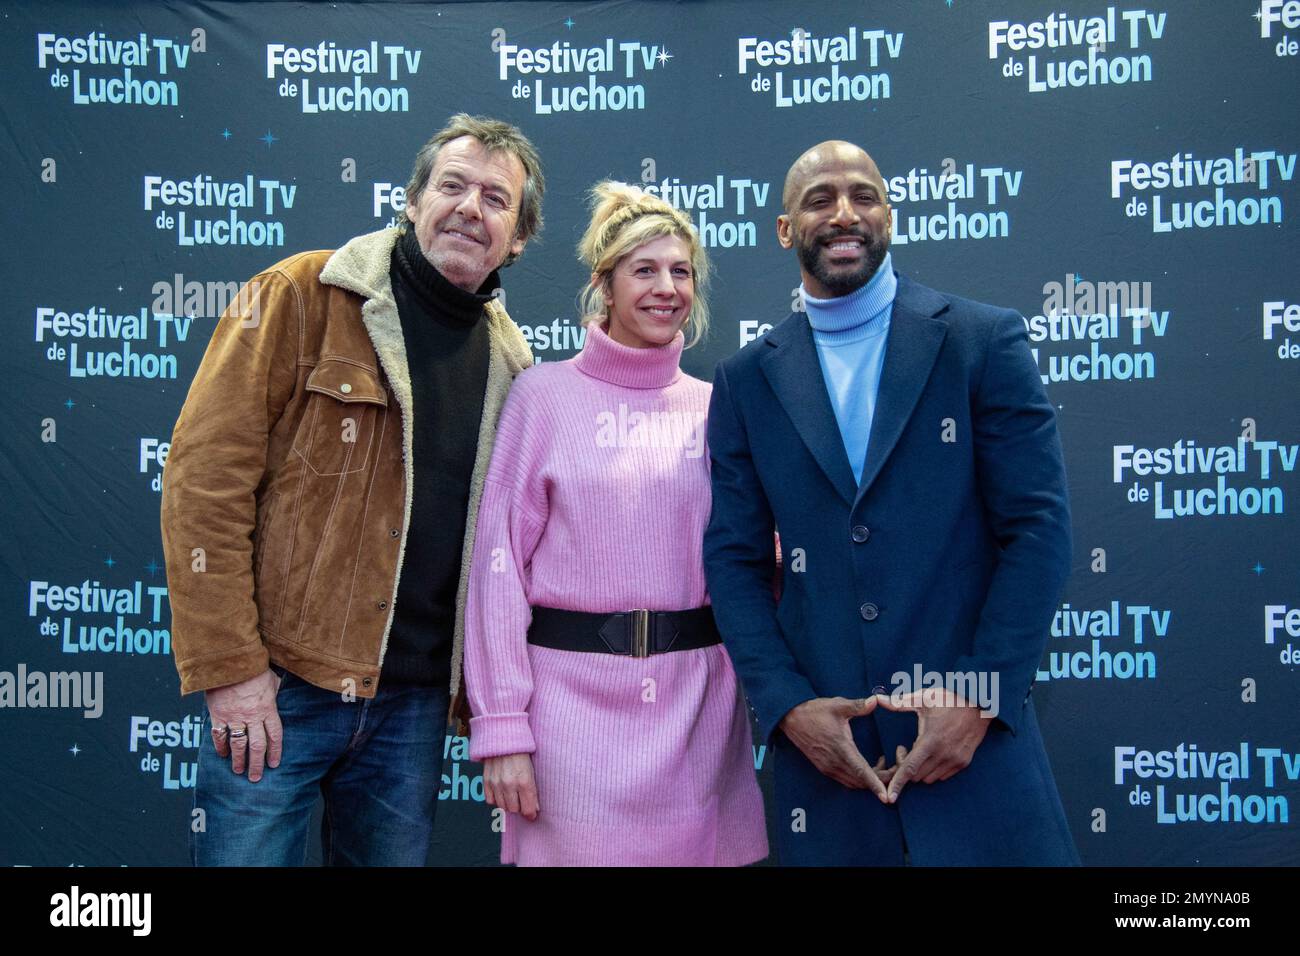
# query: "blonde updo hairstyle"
{"type": "Point", "coordinates": [623, 218]}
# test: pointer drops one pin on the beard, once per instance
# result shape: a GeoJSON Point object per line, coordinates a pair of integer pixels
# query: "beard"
{"type": "Point", "coordinates": [813, 257]}
{"type": "Point", "coordinates": [461, 266]}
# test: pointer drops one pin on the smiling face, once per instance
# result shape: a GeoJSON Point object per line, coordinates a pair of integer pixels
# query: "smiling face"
{"type": "Point", "coordinates": [650, 292]}
{"type": "Point", "coordinates": [837, 218]}
{"type": "Point", "coordinates": [466, 216]}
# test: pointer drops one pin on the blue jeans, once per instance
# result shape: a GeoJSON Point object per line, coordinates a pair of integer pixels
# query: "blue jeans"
{"type": "Point", "coordinates": [377, 762]}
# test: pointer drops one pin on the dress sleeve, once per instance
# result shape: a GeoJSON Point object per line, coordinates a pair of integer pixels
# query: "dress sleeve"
{"type": "Point", "coordinates": [511, 519]}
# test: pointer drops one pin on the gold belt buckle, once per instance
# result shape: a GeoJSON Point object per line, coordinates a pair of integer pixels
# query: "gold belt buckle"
{"type": "Point", "coordinates": [640, 622]}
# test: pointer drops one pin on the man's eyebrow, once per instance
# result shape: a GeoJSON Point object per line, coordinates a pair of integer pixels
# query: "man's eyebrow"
{"type": "Point", "coordinates": [496, 185]}
{"type": "Point", "coordinates": [817, 188]}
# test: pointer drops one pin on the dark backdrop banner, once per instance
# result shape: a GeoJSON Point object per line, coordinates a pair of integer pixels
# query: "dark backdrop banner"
{"type": "Point", "coordinates": [1123, 174]}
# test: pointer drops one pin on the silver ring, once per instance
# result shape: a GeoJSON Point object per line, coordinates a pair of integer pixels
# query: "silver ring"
{"type": "Point", "coordinates": [237, 733]}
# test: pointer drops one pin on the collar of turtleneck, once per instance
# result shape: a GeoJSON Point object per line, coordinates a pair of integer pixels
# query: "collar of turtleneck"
{"type": "Point", "coordinates": [603, 358]}
{"type": "Point", "coordinates": [862, 313]}
{"type": "Point", "coordinates": [433, 290]}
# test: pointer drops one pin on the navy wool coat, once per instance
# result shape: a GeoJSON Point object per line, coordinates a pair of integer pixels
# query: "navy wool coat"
{"type": "Point", "coordinates": [950, 554]}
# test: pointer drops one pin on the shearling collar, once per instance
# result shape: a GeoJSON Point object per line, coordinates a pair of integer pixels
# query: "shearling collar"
{"type": "Point", "coordinates": [361, 266]}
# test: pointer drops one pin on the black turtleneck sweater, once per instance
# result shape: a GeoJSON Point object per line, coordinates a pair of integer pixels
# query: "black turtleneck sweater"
{"type": "Point", "coordinates": [447, 354]}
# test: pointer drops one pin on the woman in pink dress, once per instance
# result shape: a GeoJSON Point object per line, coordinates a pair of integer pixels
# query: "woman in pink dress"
{"type": "Point", "coordinates": [606, 711]}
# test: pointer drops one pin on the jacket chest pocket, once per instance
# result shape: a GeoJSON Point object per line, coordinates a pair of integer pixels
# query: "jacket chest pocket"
{"type": "Point", "coordinates": [335, 435]}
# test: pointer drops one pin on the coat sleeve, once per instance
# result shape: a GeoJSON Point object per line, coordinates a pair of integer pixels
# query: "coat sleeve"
{"type": "Point", "coordinates": [1021, 478]}
{"type": "Point", "coordinates": [216, 462]}
{"type": "Point", "coordinates": [739, 560]}
{"type": "Point", "coordinates": [511, 519]}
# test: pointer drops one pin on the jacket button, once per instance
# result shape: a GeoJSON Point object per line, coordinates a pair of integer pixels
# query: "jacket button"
{"type": "Point", "coordinates": [345, 388]}
{"type": "Point", "coordinates": [394, 533]}
{"type": "Point", "coordinates": [869, 611]}
{"type": "Point", "coordinates": [861, 533]}
{"type": "Point", "coordinates": [382, 604]}
{"type": "Point", "coordinates": [367, 681]}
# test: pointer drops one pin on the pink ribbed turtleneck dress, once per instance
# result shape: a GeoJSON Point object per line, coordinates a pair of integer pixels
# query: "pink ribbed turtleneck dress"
{"type": "Point", "coordinates": [596, 500]}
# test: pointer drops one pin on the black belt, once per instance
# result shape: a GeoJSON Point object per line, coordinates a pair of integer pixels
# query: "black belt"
{"type": "Point", "coordinates": [638, 633]}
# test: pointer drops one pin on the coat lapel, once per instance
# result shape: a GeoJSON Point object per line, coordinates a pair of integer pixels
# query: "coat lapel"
{"type": "Point", "coordinates": [792, 368]}
{"type": "Point", "coordinates": [910, 353]}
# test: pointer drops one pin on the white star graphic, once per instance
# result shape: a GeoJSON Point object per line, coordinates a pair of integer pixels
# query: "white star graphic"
{"type": "Point", "coordinates": [74, 750]}
{"type": "Point", "coordinates": [664, 57]}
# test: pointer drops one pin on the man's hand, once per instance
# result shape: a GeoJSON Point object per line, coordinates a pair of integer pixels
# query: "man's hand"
{"type": "Point", "coordinates": [820, 728]}
{"type": "Point", "coordinates": [948, 730]}
{"type": "Point", "coordinates": [508, 783]}
{"type": "Point", "coordinates": [248, 706]}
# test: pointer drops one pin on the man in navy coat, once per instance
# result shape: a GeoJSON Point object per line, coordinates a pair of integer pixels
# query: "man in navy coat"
{"type": "Point", "coordinates": [900, 441]}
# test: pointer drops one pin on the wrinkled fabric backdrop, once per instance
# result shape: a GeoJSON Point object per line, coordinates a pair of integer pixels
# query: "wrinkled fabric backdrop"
{"type": "Point", "coordinates": [1124, 177]}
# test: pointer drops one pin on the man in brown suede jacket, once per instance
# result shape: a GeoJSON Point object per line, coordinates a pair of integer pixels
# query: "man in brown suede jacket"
{"type": "Point", "coordinates": [318, 513]}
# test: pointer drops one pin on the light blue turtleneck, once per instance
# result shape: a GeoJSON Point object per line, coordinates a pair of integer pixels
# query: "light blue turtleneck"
{"type": "Point", "coordinates": [850, 333]}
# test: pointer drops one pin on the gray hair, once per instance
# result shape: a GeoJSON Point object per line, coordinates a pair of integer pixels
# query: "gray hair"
{"type": "Point", "coordinates": [495, 135]}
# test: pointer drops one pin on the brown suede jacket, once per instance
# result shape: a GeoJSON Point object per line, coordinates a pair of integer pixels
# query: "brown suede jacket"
{"type": "Point", "coordinates": [287, 490]}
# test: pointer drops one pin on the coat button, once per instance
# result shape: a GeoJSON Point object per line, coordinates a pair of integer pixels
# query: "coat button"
{"type": "Point", "coordinates": [394, 533]}
{"type": "Point", "coordinates": [861, 533]}
{"type": "Point", "coordinates": [367, 681]}
{"type": "Point", "coordinates": [345, 388]}
{"type": "Point", "coordinates": [382, 604]}
{"type": "Point", "coordinates": [869, 611]}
